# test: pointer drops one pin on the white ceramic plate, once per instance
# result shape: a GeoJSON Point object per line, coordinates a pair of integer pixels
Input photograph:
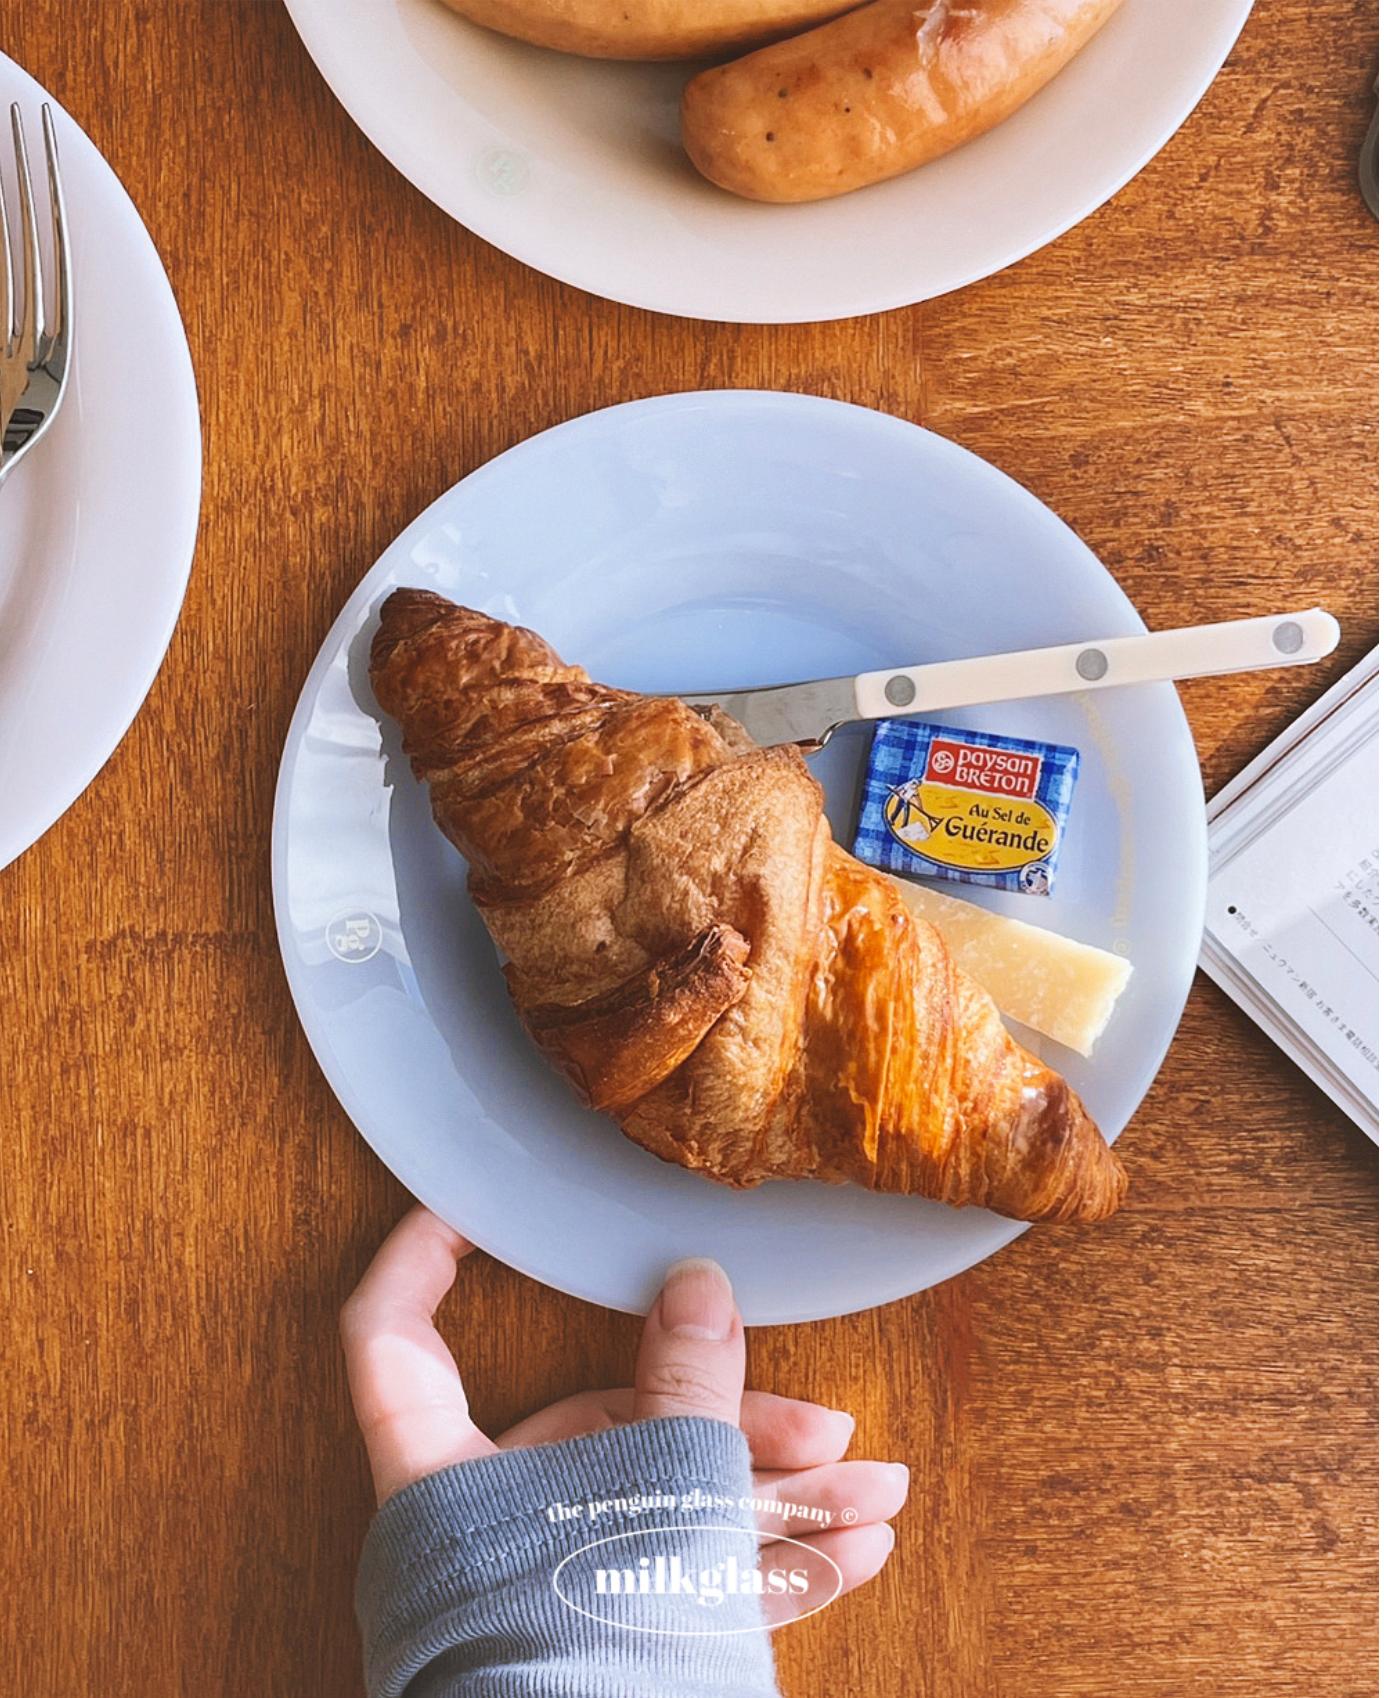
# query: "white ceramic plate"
{"type": "Point", "coordinates": [701, 542]}
{"type": "Point", "coordinates": [97, 523]}
{"type": "Point", "coordinates": [575, 166]}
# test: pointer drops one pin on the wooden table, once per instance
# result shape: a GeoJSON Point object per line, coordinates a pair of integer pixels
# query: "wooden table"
{"type": "Point", "coordinates": [1143, 1455]}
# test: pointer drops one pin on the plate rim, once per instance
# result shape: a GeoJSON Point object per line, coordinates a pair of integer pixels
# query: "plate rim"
{"type": "Point", "coordinates": [183, 499]}
{"type": "Point", "coordinates": [433, 181]}
{"type": "Point", "coordinates": [324, 1053]}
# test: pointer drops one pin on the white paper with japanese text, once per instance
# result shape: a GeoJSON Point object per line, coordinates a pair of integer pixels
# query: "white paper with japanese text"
{"type": "Point", "coordinates": [1292, 927]}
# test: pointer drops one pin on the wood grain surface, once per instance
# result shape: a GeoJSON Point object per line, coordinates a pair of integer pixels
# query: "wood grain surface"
{"type": "Point", "coordinates": [1143, 1455]}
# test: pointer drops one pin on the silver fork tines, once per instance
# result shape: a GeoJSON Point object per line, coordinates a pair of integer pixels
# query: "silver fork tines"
{"type": "Point", "coordinates": [37, 347]}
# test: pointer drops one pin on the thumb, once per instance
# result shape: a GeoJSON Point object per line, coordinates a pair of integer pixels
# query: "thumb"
{"type": "Point", "coordinates": [692, 1355]}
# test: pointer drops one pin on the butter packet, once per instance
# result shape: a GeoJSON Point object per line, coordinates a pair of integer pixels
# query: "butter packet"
{"type": "Point", "coordinates": [965, 805]}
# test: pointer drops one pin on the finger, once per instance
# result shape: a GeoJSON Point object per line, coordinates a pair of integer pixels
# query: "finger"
{"type": "Point", "coordinates": [786, 1432]}
{"type": "Point", "coordinates": [840, 1494]}
{"type": "Point", "coordinates": [858, 1553]}
{"type": "Point", "coordinates": [586, 1412]}
{"type": "Point", "coordinates": [692, 1355]}
{"type": "Point", "coordinates": [407, 1392]}
{"type": "Point", "coordinates": [783, 1432]}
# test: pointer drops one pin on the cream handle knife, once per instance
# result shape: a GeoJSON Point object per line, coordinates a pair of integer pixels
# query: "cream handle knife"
{"type": "Point", "coordinates": [809, 713]}
{"type": "Point", "coordinates": [1196, 651]}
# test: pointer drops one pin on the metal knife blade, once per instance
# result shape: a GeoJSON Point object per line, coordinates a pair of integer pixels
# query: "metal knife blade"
{"type": "Point", "coordinates": [806, 714]}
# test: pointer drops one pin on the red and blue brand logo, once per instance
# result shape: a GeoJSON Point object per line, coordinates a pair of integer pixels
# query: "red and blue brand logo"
{"type": "Point", "coordinates": [997, 772]}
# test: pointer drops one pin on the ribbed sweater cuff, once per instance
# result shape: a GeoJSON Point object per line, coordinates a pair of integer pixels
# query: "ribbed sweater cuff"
{"type": "Point", "coordinates": [457, 1584]}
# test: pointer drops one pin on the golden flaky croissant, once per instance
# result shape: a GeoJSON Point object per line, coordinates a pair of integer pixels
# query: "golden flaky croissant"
{"type": "Point", "coordinates": [688, 944]}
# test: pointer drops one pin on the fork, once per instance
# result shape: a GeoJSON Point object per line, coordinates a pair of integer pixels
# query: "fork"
{"type": "Point", "coordinates": [36, 352]}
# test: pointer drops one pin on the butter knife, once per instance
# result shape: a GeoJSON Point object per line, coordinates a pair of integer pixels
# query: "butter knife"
{"type": "Point", "coordinates": [807, 714]}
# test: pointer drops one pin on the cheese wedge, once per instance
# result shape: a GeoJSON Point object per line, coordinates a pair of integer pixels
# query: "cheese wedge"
{"type": "Point", "coordinates": [1065, 990]}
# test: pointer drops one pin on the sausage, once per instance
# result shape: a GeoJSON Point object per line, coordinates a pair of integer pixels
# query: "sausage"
{"type": "Point", "coordinates": [877, 92]}
{"type": "Point", "coordinates": [648, 29]}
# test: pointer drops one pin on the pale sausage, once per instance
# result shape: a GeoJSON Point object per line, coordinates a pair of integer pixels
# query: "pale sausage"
{"type": "Point", "coordinates": [877, 92]}
{"type": "Point", "coordinates": [647, 29]}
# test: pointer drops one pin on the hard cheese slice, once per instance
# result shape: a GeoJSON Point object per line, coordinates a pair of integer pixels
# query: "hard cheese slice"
{"type": "Point", "coordinates": [1063, 989]}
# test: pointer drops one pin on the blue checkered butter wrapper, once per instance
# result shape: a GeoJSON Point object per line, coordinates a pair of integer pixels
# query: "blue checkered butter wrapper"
{"type": "Point", "coordinates": [965, 805]}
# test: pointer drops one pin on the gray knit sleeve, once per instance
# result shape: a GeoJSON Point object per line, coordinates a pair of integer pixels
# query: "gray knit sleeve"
{"type": "Point", "coordinates": [616, 1564]}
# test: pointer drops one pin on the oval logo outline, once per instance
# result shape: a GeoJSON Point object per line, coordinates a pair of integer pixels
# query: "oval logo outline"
{"type": "Point", "coordinates": [698, 1527]}
{"type": "Point", "coordinates": [932, 821]}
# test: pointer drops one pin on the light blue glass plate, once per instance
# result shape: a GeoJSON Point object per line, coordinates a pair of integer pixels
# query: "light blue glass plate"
{"type": "Point", "coordinates": [704, 541]}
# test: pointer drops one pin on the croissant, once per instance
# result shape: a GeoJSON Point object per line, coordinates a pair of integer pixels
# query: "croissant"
{"type": "Point", "coordinates": [686, 942]}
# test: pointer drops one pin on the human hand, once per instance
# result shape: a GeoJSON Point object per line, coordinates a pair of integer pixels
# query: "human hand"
{"type": "Point", "coordinates": [414, 1416]}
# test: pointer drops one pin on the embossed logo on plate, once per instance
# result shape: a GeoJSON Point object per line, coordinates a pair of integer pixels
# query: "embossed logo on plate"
{"type": "Point", "coordinates": [355, 936]}
{"type": "Point", "coordinates": [502, 171]}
